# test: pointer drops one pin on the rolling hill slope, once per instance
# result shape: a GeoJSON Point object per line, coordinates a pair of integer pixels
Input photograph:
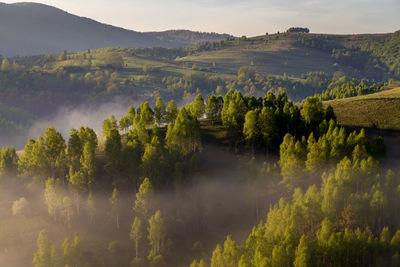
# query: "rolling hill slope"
{"type": "Point", "coordinates": [33, 29]}
{"type": "Point", "coordinates": [380, 110]}
{"type": "Point", "coordinates": [362, 55]}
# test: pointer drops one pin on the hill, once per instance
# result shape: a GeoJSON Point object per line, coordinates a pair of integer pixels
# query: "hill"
{"type": "Point", "coordinates": [380, 110]}
{"type": "Point", "coordinates": [33, 29]}
{"type": "Point", "coordinates": [374, 56]}
{"type": "Point", "coordinates": [299, 64]}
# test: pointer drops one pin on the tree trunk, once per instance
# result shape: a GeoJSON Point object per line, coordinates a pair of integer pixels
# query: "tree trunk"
{"type": "Point", "coordinates": [137, 247]}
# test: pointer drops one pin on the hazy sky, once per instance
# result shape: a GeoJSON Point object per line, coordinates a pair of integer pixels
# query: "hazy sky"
{"type": "Point", "coordinates": [239, 17]}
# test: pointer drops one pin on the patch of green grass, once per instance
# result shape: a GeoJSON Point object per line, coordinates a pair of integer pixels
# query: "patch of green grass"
{"type": "Point", "coordinates": [380, 110]}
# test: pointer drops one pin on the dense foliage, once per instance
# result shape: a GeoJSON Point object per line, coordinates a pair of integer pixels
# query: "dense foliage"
{"type": "Point", "coordinates": [343, 88]}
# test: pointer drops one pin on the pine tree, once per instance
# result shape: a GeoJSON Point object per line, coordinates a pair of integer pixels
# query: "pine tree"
{"type": "Point", "coordinates": [159, 111]}
{"type": "Point", "coordinates": [113, 149]}
{"type": "Point", "coordinates": [251, 130]}
{"type": "Point", "coordinates": [184, 135]}
{"type": "Point", "coordinates": [231, 252]}
{"type": "Point", "coordinates": [217, 259]}
{"type": "Point", "coordinates": [90, 207]}
{"type": "Point", "coordinates": [197, 107]}
{"type": "Point", "coordinates": [42, 257]}
{"type": "Point", "coordinates": [56, 258]}
{"type": "Point", "coordinates": [115, 206]}
{"type": "Point", "coordinates": [267, 126]}
{"type": "Point", "coordinates": [108, 125]}
{"type": "Point", "coordinates": [302, 253]}
{"type": "Point", "coordinates": [53, 198]}
{"type": "Point", "coordinates": [146, 114]}
{"type": "Point", "coordinates": [74, 149]}
{"type": "Point", "coordinates": [144, 199]}
{"type": "Point", "coordinates": [157, 235]}
{"type": "Point", "coordinates": [214, 108]}
{"type": "Point", "coordinates": [153, 161]}
{"type": "Point", "coordinates": [54, 151]}
{"type": "Point", "coordinates": [313, 111]}
{"type": "Point", "coordinates": [136, 234]}
{"type": "Point", "coordinates": [172, 112]}
{"type": "Point", "coordinates": [8, 162]}
{"type": "Point", "coordinates": [279, 257]}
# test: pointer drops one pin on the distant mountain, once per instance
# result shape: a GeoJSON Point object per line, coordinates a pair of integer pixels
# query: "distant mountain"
{"type": "Point", "coordinates": [32, 29]}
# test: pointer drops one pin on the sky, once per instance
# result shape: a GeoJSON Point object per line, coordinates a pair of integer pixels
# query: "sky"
{"type": "Point", "coordinates": [239, 17]}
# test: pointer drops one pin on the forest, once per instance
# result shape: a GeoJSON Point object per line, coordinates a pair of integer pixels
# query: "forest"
{"type": "Point", "coordinates": [150, 189]}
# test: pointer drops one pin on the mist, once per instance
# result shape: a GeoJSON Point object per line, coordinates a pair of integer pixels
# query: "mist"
{"type": "Point", "coordinates": [215, 202]}
{"type": "Point", "coordinates": [67, 117]}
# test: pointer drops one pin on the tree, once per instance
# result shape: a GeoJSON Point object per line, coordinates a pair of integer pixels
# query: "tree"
{"type": "Point", "coordinates": [113, 148]}
{"type": "Point", "coordinates": [302, 253]}
{"type": "Point", "coordinates": [66, 211]}
{"type": "Point", "coordinates": [378, 147]}
{"type": "Point", "coordinates": [251, 130]}
{"type": "Point", "coordinates": [330, 114]}
{"type": "Point", "coordinates": [90, 206]}
{"type": "Point", "coordinates": [348, 218]}
{"type": "Point", "coordinates": [233, 115]}
{"type": "Point", "coordinates": [267, 127]}
{"type": "Point", "coordinates": [8, 162]}
{"type": "Point", "coordinates": [201, 263]}
{"type": "Point", "coordinates": [217, 259]}
{"type": "Point", "coordinates": [63, 56]}
{"type": "Point", "coordinates": [5, 65]}
{"type": "Point", "coordinates": [127, 121]}
{"type": "Point", "coordinates": [197, 107]}
{"type": "Point", "coordinates": [172, 112]}
{"type": "Point", "coordinates": [157, 235]}
{"type": "Point", "coordinates": [53, 198]}
{"type": "Point", "coordinates": [88, 163]}
{"type": "Point", "coordinates": [73, 252]}
{"type": "Point", "coordinates": [146, 114]}
{"type": "Point", "coordinates": [115, 206]}
{"type": "Point", "coordinates": [114, 60]}
{"type": "Point", "coordinates": [313, 111]}
{"type": "Point", "coordinates": [298, 29]}
{"type": "Point", "coordinates": [292, 157]}
{"type": "Point", "coordinates": [56, 257]}
{"type": "Point", "coordinates": [140, 133]}
{"type": "Point", "coordinates": [153, 160]}
{"type": "Point", "coordinates": [108, 125]}
{"type": "Point", "coordinates": [136, 234]}
{"type": "Point", "coordinates": [246, 73]}
{"type": "Point", "coordinates": [323, 234]}
{"type": "Point", "coordinates": [144, 198]}
{"type": "Point", "coordinates": [159, 111]}
{"type": "Point", "coordinates": [231, 252]}
{"type": "Point", "coordinates": [184, 135]}
{"type": "Point", "coordinates": [214, 108]}
{"type": "Point", "coordinates": [74, 149]}
{"type": "Point", "coordinates": [19, 206]}
{"type": "Point", "coordinates": [279, 257]}
{"type": "Point", "coordinates": [42, 257]}
{"type": "Point", "coordinates": [54, 150]}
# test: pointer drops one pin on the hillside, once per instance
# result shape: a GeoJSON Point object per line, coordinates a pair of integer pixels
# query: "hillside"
{"type": "Point", "coordinates": [33, 29]}
{"type": "Point", "coordinates": [44, 85]}
{"type": "Point", "coordinates": [362, 55]}
{"type": "Point", "coordinates": [380, 110]}
{"type": "Point", "coordinates": [188, 37]}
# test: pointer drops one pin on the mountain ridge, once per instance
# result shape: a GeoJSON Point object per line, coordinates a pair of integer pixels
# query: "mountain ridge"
{"type": "Point", "coordinates": [34, 28]}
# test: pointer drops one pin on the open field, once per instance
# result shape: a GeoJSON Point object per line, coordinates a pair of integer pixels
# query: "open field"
{"type": "Point", "coordinates": [380, 110]}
